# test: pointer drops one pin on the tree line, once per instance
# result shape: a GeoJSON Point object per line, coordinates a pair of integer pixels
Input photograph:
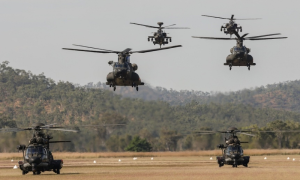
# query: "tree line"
{"type": "Point", "coordinates": [26, 98]}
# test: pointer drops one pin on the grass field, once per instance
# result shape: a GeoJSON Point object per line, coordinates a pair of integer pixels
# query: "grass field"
{"type": "Point", "coordinates": [163, 166]}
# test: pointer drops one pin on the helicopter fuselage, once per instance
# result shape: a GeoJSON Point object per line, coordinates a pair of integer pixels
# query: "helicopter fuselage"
{"type": "Point", "coordinates": [160, 38]}
{"type": "Point", "coordinates": [123, 73]}
{"type": "Point", "coordinates": [231, 28]}
{"type": "Point", "coordinates": [239, 57]}
{"type": "Point", "coordinates": [233, 155]}
{"type": "Point", "coordinates": [38, 158]}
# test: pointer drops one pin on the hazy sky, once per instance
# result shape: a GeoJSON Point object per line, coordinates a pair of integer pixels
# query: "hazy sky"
{"type": "Point", "coordinates": [34, 31]}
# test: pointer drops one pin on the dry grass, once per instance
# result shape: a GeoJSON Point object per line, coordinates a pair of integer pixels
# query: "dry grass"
{"type": "Point", "coordinates": [165, 168]}
{"type": "Point", "coordinates": [76, 155]}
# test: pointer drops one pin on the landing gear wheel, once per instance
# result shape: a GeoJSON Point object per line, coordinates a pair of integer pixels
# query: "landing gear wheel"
{"type": "Point", "coordinates": [115, 88]}
{"type": "Point", "coordinates": [137, 88]}
{"type": "Point", "coordinates": [38, 172]}
{"type": "Point", "coordinates": [249, 68]}
{"type": "Point", "coordinates": [170, 40]}
{"type": "Point", "coordinates": [58, 171]}
{"type": "Point", "coordinates": [34, 173]}
{"type": "Point", "coordinates": [23, 172]}
{"type": "Point", "coordinates": [246, 165]}
{"type": "Point", "coordinates": [148, 39]}
{"type": "Point", "coordinates": [230, 68]}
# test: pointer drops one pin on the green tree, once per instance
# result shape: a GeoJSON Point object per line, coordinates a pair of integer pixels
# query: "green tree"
{"type": "Point", "coordinates": [139, 145]}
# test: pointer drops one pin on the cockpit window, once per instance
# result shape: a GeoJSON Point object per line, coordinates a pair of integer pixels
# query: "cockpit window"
{"type": "Point", "coordinates": [239, 49]}
{"type": "Point", "coordinates": [119, 65]}
{"type": "Point", "coordinates": [34, 151]}
{"type": "Point", "coordinates": [128, 59]}
{"type": "Point", "coordinates": [234, 149]}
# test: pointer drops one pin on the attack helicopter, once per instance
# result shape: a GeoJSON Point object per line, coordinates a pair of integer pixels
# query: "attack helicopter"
{"type": "Point", "coordinates": [240, 54]}
{"type": "Point", "coordinates": [231, 27]}
{"type": "Point", "coordinates": [123, 73]}
{"type": "Point", "coordinates": [37, 155]}
{"type": "Point", "coordinates": [232, 151]}
{"type": "Point", "coordinates": [160, 37]}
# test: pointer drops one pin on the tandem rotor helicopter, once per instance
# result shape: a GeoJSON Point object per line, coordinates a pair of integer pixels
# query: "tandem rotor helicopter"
{"type": "Point", "coordinates": [123, 73]}
{"type": "Point", "coordinates": [160, 37]}
{"type": "Point", "coordinates": [231, 27]}
{"type": "Point", "coordinates": [240, 54]}
{"type": "Point", "coordinates": [37, 156]}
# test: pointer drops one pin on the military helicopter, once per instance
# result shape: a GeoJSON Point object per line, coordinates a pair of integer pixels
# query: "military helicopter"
{"type": "Point", "coordinates": [37, 155]}
{"type": "Point", "coordinates": [123, 73]}
{"type": "Point", "coordinates": [240, 54]}
{"type": "Point", "coordinates": [232, 151]}
{"type": "Point", "coordinates": [231, 27]}
{"type": "Point", "coordinates": [160, 37]}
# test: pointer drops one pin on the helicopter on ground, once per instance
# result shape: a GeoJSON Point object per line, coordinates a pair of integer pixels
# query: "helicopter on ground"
{"type": "Point", "coordinates": [231, 27]}
{"type": "Point", "coordinates": [240, 54]}
{"type": "Point", "coordinates": [160, 37]}
{"type": "Point", "coordinates": [123, 73]}
{"type": "Point", "coordinates": [37, 155]}
{"type": "Point", "coordinates": [232, 151]}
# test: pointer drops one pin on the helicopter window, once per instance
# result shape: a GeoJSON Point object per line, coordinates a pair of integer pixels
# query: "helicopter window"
{"type": "Point", "coordinates": [33, 151]}
{"type": "Point", "coordinates": [128, 59]}
{"type": "Point", "coordinates": [119, 65]}
{"type": "Point", "coordinates": [236, 149]}
{"type": "Point", "coordinates": [239, 49]}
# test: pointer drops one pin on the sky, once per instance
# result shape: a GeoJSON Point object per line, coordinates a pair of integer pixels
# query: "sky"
{"type": "Point", "coordinates": [33, 33]}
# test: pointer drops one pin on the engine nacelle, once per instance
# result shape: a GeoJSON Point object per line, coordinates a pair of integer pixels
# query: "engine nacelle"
{"type": "Point", "coordinates": [134, 67]}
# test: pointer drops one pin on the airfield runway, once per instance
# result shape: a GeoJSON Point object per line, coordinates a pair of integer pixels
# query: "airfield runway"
{"type": "Point", "coordinates": [172, 168]}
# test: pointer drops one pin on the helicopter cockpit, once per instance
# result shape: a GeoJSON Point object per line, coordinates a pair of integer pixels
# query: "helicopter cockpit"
{"type": "Point", "coordinates": [36, 151]}
{"type": "Point", "coordinates": [234, 150]}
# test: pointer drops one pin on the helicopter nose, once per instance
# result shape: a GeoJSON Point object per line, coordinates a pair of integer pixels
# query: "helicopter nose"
{"type": "Point", "coordinates": [35, 160]}
{"type": "Point", "coordinates": [121, 72]}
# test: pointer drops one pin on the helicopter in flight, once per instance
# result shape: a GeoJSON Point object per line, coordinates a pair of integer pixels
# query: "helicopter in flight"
{"type": "Point", "coordinates": [231, 27]}
{"type": "Point", "coordinates": [232, 151]}
{"type": "Point", "coordinates": [123, 73]}
{"type": "Point", "coordinates": [160, 37]}
{"type": "Point", "coordinates": [37, 155]}
{"type": "Point", "coordinates": [240, 54]}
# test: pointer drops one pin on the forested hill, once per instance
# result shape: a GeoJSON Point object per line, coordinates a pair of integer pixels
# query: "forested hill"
{"type": "Point", "coordinates": [26, 98]}
{"type": "Point", "coordinates": [284, 96]}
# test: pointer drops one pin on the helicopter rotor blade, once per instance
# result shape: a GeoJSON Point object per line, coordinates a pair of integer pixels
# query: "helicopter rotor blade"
{"type": "Point", "coordinates": [145, 25]}
{"type": "Point", "coordinates": [12, 130]}
{"type": "Point", "coordinates": [216, 17]}
{"type": "Point", "coordinates": [49, 125]}
{"type": "Point", "coordinates": [281, 131]}
{"type": "Point", "coordinates": [88, 50]}
{"type": "Point", "coordinates": [175, 28]}
{"type": "Point", "coordinates": [214, 38]}
{"type": "Point", "coordinates": [104, 125]}
{"type": "Point", "coordinates": [248, 19]}
{"type": "Point", "coordinates": [58, 141]}
{"type": "Point", "coordinates": [68, 130]}
{"type": "Point", "coordinates": [244, 35]}
{"type": "Point", "coordinates": [265, 38]}
{"type": "Point", "coordinates": [265, 35]}
{"type": "Point", "coordinates": [169, 25]}
{"type": "Point", "coordinates": [246, 134]}
{"type": "Point", "coordinates": [158, 49]}
{"type": "Point", "coordinates": [94, 48]}
{"type": "Point", "coordinates": [126, 50]}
